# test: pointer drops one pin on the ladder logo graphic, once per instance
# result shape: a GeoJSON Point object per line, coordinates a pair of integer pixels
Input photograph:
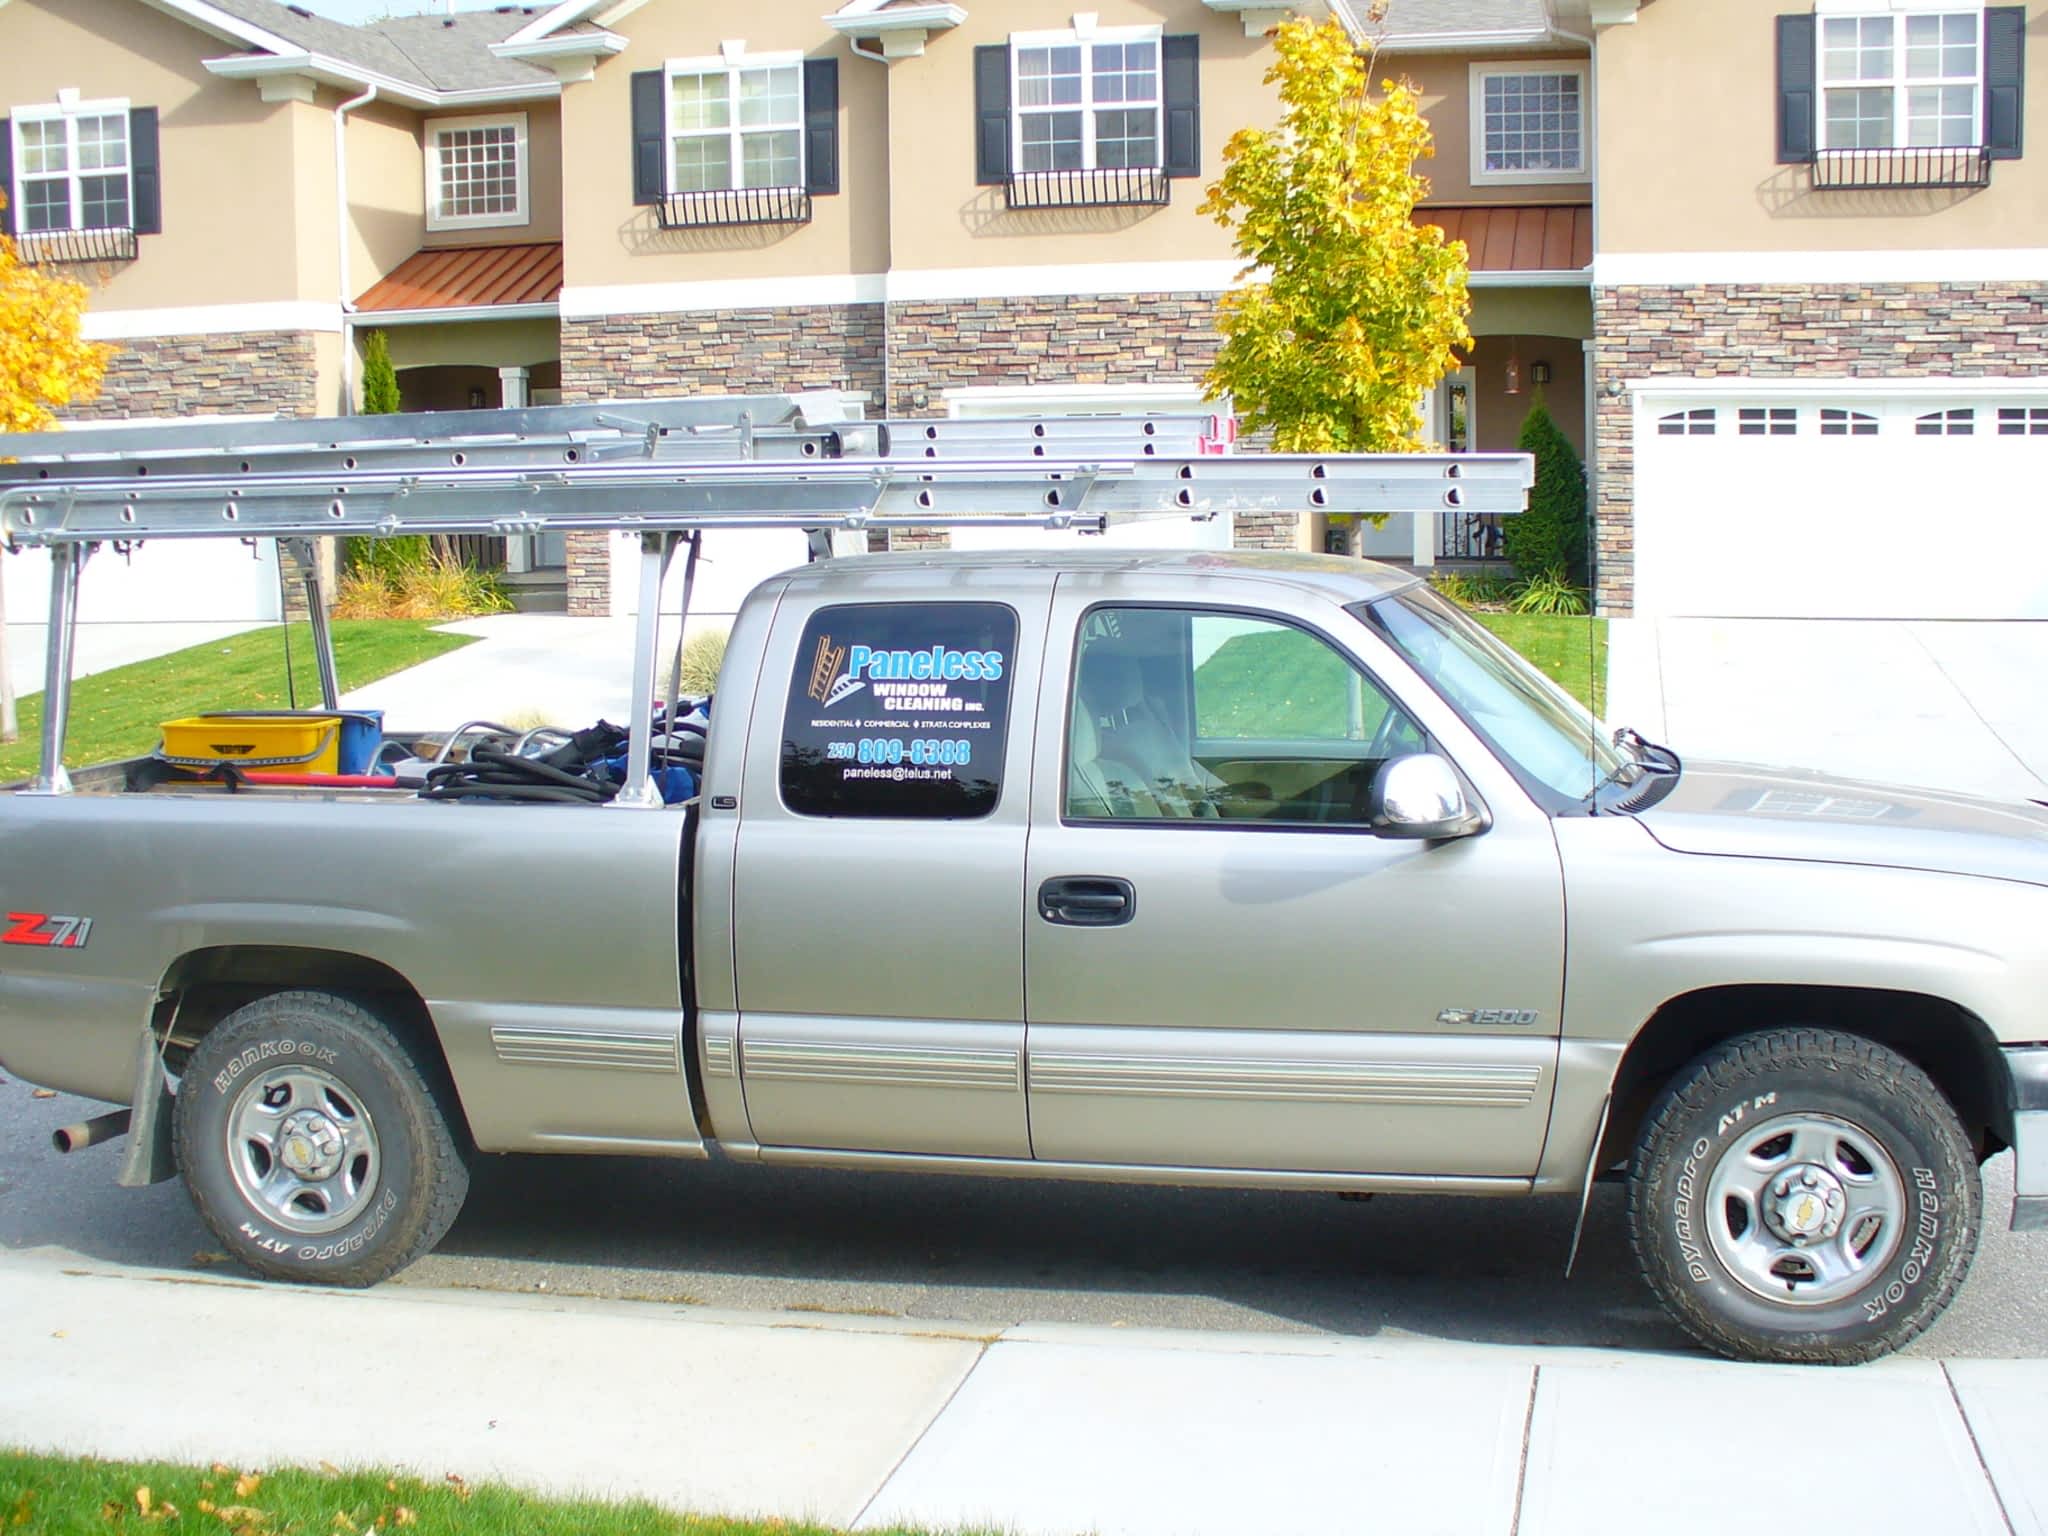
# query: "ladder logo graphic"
{"type": "Point", "coordinates": [829, 684]}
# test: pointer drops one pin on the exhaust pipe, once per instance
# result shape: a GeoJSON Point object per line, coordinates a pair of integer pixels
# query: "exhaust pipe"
{"type": "Point", "coordinates": [90, 1133]}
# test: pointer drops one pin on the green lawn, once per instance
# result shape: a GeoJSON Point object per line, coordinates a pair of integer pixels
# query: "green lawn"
{"type": "Point", "coordinates": [69, 1496]}
{"type": "Point", "coordinates": [116, 714]}
{"type": "Point", "coordinates": [1571, 651]}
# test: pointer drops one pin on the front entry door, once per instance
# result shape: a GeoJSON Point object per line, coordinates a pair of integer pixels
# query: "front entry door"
{"type": "Point", "coordinates": [878, 894]}
{"type": "Point", "coordinates": [1276, 988]}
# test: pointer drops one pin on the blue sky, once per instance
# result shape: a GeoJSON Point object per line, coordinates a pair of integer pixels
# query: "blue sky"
{"type": "Point", "coordinates": [371, 10]}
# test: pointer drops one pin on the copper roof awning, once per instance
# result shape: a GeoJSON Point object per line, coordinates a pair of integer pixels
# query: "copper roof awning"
{"type": "Point", "coordinates": [1517, 237]}
{"type": "Point", "coordinates": [470, 277]}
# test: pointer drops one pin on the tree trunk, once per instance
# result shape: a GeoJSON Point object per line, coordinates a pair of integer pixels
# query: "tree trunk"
{"type": "Point", "coordinates": [10, 727]}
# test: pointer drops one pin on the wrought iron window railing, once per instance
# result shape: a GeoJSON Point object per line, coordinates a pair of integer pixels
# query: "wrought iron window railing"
{"type": "Point", "coordinates": [58, 247]}
{"type": "Point", "coordinates": [1470, 536]}
{"type": "Point", "coordinates": [729, 206]}
{"type": "Point", "coordinates": [1843, 170]}
{"type": "Point", "coordinates": [1123, 186]}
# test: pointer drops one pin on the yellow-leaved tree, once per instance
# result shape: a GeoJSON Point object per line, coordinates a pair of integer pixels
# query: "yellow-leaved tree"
{"type": "Point", "coordinates": [1356, 311]}
{"type": "Point", "coordinates": [45, 363]}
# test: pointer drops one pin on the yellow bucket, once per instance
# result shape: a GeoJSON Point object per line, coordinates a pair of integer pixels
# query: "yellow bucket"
{"type": "Point", "coordinates": [280, 743]}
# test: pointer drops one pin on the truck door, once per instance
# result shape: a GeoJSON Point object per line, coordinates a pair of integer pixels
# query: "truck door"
{"type": "Point", "coordinates": [879, 879]}
{"type": "Point", "coordinates": [1225, 967]}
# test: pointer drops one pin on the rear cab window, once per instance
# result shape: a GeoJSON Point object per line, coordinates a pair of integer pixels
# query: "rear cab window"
{"type": "Point", "coordinates": [899, 710]}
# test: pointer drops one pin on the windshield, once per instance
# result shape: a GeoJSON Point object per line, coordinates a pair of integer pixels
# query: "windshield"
{"type": "Point", "coordinates": [1540, 733]}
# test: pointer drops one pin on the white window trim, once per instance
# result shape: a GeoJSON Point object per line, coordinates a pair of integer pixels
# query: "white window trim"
{"type": "Point", "coordinates": [732, 60]}
{"type": "Point", "coordinates": [1084, 37]}
{"type": "Point", "coordinates": [435, 127]}
{"type": "Point", "coordinates": [1898, 84]}
{"type": "Point", "coordinates": [67, 105]}
{"type": "Point", "coordinates": [1476, 92]}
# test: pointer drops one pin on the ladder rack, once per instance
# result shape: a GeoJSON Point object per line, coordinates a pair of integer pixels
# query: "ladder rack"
{"type": "Point", "coordinates": [668, 470]}
{"type": "Point", "coordinates": [676, 465]}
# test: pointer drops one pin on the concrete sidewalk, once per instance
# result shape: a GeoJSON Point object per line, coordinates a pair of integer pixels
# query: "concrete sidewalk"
{"type": "Point", "coordinates": [1950, 705]}
{"type": "Point", "coordinates": [102, 647]}
{"type": "Point", "coordinates": [1047, 1429]}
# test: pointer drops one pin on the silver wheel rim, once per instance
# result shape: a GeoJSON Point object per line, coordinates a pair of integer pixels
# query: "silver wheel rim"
{"type": "Point", "coordinates": [302, 1149]}
{"type": "Point", "coordinates": [1805, 1210]}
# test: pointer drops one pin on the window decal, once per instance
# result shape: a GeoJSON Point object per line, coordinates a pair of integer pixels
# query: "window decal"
{"type": "Point", "coordinates": [899, 710]}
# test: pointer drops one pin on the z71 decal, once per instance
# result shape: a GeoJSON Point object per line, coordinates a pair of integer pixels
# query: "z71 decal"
{"type": "Point", "coordinates": [46, 931]}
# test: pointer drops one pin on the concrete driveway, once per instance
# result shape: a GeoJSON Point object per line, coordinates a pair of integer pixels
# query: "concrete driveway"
{"type": "Point", "coordinates": [1951, 705]}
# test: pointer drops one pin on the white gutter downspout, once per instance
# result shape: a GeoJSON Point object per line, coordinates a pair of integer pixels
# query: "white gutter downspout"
{"type": "Point", "coordinates": [348, 338]}
{"type": "Point", "coordinates": [889, 223]}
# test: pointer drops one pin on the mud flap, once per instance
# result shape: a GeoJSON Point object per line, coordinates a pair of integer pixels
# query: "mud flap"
{"type": "Point", "coordinates": [148, 1159]}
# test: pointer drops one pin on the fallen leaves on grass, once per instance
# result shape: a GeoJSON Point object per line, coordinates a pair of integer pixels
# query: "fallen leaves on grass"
{"type": "Point", "coordinates": [247, 1484]}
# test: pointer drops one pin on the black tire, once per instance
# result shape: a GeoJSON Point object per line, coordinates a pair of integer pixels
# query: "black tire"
{"type": "Point", "coordinates": [1726, 1116]}
{"type": "Point", "coordinates": [398, 1175]}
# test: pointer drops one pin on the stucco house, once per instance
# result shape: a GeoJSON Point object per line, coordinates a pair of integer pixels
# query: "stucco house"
{"type": "Point", "coordinates": [1794, 310]}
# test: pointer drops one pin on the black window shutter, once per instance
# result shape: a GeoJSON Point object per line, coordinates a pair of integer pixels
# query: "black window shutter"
{"type": "Point", "coordinates": [992, 114]}
{"type": "Point", "coordinates": [1180, 63]}
{"type": "Point", "coordinates": [2005, 79]}
{"type": "Point", "coordinates": [7, 175]}
{"type": "Point", "coordinates": [650, 180]}
{"type": "Point", "coordinates": [146, 211]}
{"type": "Point", "coordinates": [1797, 89]}
{"type": "Point", "coordinates": [821, 126]}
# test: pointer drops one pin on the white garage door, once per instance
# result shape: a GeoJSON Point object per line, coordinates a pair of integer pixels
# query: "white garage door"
{"type": "Point", "coordinates": [1931, 506]}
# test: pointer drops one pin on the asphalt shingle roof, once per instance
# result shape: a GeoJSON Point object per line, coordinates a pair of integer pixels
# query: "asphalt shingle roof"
{"type": "Point", "coordinates": [1425, 18]}
{"type": "Point", "coordinates": [444, 53]}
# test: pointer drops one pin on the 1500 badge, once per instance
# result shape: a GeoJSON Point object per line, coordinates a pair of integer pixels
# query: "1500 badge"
{"type": "Point", "coordinates": [1487, 1016]}
{"type": "Point", "coordinates": [45, 930]}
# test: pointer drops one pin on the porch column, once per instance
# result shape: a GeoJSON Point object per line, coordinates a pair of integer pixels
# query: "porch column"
{"type": "Point", "coordinates": [1591, 408]}
{"type": "Point", "coordinates": [519, 550]}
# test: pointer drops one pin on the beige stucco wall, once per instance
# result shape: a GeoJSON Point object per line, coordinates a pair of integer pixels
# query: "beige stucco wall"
{"type": "Point", "coordinates": [386, 191]}
{"type": "Point", "coordinates": [941, 219]}
{"type": "Point", "coordinates": [487, 343]}
{"type": "Point", "coordinates": [617, 242]}
{"type": "Point", "coordinates": [1444, 82]}
{"type": "Point", "coordinates": [1694, 169]}
{"type": "Point", "coordinates": [227, 157]}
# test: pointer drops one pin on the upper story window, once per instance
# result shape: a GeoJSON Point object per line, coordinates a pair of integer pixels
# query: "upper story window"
{"type": "Point", "coordinates": [1917, 94]}
{"type": "Point", "coordinates": [739, 139]}
{"type": "Point", "coordinates": [476, 172]}
{"type": "Point", "coordinates": [1092, 117]}
{"type": "Point", "coordinates": [1090, 105]}
{"type": "Point", "coordinates": [1901, 80]}
{"type": "Point", "coordinates": [1529, 122]}
{"type": "Point", "coordinates": [737, 124]}
{"type": "Point", "coordinates": [82, 178]}
{"type": "Point", "coordinates": [71, 167]}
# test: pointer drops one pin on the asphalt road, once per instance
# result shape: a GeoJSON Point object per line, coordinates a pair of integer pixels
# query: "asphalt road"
{"type": "Point", "coordinates": [999, 1252]}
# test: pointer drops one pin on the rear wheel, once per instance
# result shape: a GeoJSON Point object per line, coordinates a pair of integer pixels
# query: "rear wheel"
{"type": "Point", "coordinates": [1804, 1195]}
{"type": "Point", "coordinates": [312, 1145]}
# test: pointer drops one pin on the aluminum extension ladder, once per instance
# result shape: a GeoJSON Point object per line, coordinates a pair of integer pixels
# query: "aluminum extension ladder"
{"type": "Point", "coordinates": [667, 470]}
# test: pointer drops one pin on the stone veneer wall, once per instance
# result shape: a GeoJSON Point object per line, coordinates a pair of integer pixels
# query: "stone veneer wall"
{"type": "Point", "coordinates": [904, 361]}
{"type": "Point", "coordinates": [1845, 331]}
{"type": "Point", "coordinates": [234, 374]}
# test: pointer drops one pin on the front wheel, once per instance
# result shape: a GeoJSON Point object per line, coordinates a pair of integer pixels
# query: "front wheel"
{"type": "Point", "coordinates": [1804, 1195]}
{"type": "Point", "coordinates": [311, 1144]}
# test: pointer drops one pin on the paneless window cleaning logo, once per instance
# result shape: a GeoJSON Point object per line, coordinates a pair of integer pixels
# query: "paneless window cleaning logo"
{"type": "Point", "coordinates": [840, 670]}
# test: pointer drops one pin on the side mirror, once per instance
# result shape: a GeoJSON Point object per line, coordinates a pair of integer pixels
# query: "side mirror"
{"type": "Point", "coordinates": [1418, 795]}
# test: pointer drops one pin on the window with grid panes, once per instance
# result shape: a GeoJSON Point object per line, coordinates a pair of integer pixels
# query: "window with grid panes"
{"type": "Point", "coordinates": [2023, 421]}
{"type": "Point", "coordinates": [1957, 421]}
{"type": "Point", "coordinates": [71, 168]}
{"type": "Point", "coordinates": [1901, 81]}
{"type": "Point", "coordinates": [1767, 421]}
{"type": "Point", "coordinates": [1087, 104]}
{"type": "Point", "coordinates": [476, 169]}
{"type": "Point", "coordinates": [1835, 421]}
{"type": "Point", "coordinates": [736, 125]}
{"type": "Point", "coordinates": [1529, 122]}
{"type": "Point", "coordinates": [1698, 422]}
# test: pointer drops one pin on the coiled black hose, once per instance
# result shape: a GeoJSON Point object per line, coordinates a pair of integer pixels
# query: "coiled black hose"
{"type": "Point", "coordinates": [492, 773]}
